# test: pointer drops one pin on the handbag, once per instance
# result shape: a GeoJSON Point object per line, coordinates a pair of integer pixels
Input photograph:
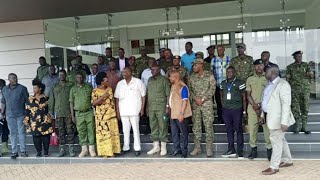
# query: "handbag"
{"type": "Point", "coordinates": [54, 140]}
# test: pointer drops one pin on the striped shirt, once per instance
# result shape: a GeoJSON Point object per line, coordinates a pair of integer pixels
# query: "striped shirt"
{"type": "Point", "coordinates": [219, 67]}
{"type": "Point", "coordinates": [91, 79]}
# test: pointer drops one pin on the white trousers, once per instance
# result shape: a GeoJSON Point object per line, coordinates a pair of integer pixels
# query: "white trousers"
{"type": "Point", "coordinates": [127, 122]}
{"type": "Point", "coordinates": [280, 148]}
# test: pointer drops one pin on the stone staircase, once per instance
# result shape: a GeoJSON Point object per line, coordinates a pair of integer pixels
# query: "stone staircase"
{"type": "Point", "coordinates": [302, 146]}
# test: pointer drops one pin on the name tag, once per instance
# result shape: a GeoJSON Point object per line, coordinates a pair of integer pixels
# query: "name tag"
{"type": "Point", "coordinates": [228, 96]}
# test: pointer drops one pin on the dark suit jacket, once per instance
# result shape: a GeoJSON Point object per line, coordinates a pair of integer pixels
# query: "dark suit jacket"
{"type": "Point", "coordinates": [126, 62]}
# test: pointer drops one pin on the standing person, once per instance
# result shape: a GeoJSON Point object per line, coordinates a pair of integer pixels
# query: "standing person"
{"type": "Point", "coordinates": [82, 115]}
{"type": "Point", "coordinates": [84, 67]}
{"type": "Point", "coordinates": [177, 67]}
{"type": "Point", "coordinates": [113, 75]}
{"type": "Point", "coordinates": [188, 57]}
{"type": "Point", "coordinates": [91, 79]}
{"type": "Point", "coordinates": [211, 55]}
{"type": "Point", "coordinates": [158, 90]}
{"type": "Point", "coordinates": [38, 119]}
{"type": "Point", "coordinates": [299, 75]}
{"type": "Point", "coordinates": [14, 98]}
{"type": "Point", "coordinates": [161, 55]}
{"type": "Point", "coordinates": [202, 88]}
{"type": "Point", "coordinates": [206, 66]}
{"type": "Point", "coordinates": [166, 62]}
{"type": "Point", "coordinates": [234, 105]}
{"type": "Point", "coordinates": [4, 130]}
{"type": "Point", "coordinates": [121, 61]}
{"type": "Point", "coordinates": [50, 80]}
{"type": "Point", "coordinates": [71, 76]}
{"type": "Point", "coordinates": [102, 65]}
{"type": "Point", "coordinates": [265, 57]}
{"type": "Point", "coordinates": [242, 63]}
{"type": "Point", "coordinates": [142, 61]}
{"type": "Point", "coordinates": [146, 74]}
{"type": "Point", "coordinates": [219, 65]}
{"type": "Point", "coordinates": [42, 70]}
{"type": "Point", "coordinates": [59, 107]}
{"type": "Point", "coordinates": [180, 112]}
{"type": "Point", "coordinates": [109, 56]}
{"type": "Point", "coordinates": [254, 88]}
{"type": "Point", "coordinates": [277, 113]}
{"type": "Point", "coordinates": [107, 131]}
{"type": "Point", "coordinates": [133, 66]}
{"type": "Point", "coordinates": [130, 101]}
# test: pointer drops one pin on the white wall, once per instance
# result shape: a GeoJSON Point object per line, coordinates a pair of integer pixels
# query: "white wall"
{"type": "Point", "coordinates": [21, 45]}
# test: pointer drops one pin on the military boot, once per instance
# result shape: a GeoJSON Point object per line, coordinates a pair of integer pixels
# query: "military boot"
{"type": "Point", "coordinates": [209, 149]}
{"type": "Point", "coordinates": [84, 151]}
{"type": "Point", "coordinates": [62, 151]}
{"type": "Point", "coordinates": [71, 151]}
{"type": "Point", "coordinates": [254, 153]}
{"type": "Point", "coordinates": [155, 149]}
{"type": "Point", "coordinates": [163, 151]}
{"type": "Point", "coordinates": [197, 149]}
{"type": "Point", "coordinates": [92, 151]}
{"type": "Point", "coordinates": [5, 148]}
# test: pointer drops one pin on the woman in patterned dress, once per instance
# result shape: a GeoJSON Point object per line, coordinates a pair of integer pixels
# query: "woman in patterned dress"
{"type": "Point", "coordinates": [107, 131]}
{"type": "Point", "coordinates": [38, 119]}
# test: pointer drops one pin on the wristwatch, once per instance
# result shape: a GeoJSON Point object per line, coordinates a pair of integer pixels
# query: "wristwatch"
{"type": "Point", "coordinates": [202, 99]}
{"type": "Point", "coordinates": [167, 105]}
{"type": "Point", "coordinates": [244, 112]}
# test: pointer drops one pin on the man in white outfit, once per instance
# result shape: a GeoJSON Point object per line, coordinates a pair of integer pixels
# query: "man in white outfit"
{"type": "Point", "coordinates": [130, 100]}
{"type": "Point", "coordinates": [276, 106]}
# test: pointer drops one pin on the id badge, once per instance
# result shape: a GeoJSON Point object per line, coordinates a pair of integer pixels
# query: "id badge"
{"type": "Point", "coordinates": [228, 96]}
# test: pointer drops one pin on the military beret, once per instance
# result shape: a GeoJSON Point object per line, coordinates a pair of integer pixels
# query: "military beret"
{"type": "Point", "coordinates": [297, 52]}
{"type": "Point", "coordinates": [258, 62]}
{"type": "Point", "coordinates": [212, 46]}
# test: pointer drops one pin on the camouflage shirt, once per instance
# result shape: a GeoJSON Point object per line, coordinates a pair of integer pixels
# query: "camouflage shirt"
{"type": "Point", "coordinates": [203, 87]}
{"type": "Point", "coordinates": [164, 64]}
{"type": "Point", "coordinates": [244, 67]}
{"type": "Point", "coordinates": [142, 63]}
{"type": "Point", "coordinates": [296, 76]}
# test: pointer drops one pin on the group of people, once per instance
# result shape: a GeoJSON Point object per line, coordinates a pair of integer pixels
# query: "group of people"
{"type": "Point", "coordinates": [169, 90]}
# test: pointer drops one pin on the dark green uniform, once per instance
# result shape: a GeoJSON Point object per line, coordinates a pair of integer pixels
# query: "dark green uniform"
{"type": "Point", "coordinates": [244, 67]}
{"type": "Point", "coordinates": [164, 64]}
{"type": "Point", "coordinates": [158, 90]}
{"type": "Point", "coordinates": [59, 106]}
{"type": "Point", "coordinates": [71, 77]}
{"type": "Point", "coordinates": [202, 87]}
{"type": "Point", "coordinates": [142, 63]}
{"type": "Point", "coordinates": [42, 71]}
{"type": "Point", "coordinates": [300, 90]}
{"type": "Point", "coordinates": [256, 84]}
{"type": "Point", "coordinates": [80, 96]}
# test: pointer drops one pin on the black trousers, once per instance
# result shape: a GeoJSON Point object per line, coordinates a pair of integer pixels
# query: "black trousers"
{"type": "Point", "coordinates": [219, 105]}
{"type": "Point", "coordinates": [4, 131]}
{"type": "Point", "coordinates": [179, 132]}
{"type": "Point", "coordinates": [40, 141]}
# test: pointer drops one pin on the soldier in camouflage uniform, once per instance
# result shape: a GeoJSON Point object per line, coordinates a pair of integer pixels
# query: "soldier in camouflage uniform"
{"type": "Point", "coordinates": [158, 91]}
{"type": "Point", "coordinates": [202, 87]}
{"type": "Point", "coordinates": [299, 74]}
{"type": "Point", "coordinates": [59, 106]}
{"type": "Point", "coordinates": [132, 65]}
{"type": "Point", "coordinates": [71, 77]}
{"type": "Point", "coordinates": [142, 62]}
{"type": "Point", "coordinates": [167, 61]}
{"type": "Point", "coordinates": [177, 67]}
{"type": "Point", "coordinates": [207, 66]}
{"type": "Point", "coordinates": [242, 63]}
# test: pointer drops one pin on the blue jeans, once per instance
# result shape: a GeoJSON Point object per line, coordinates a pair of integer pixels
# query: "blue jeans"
{"type": "Point", "coordinates": [17, 127]}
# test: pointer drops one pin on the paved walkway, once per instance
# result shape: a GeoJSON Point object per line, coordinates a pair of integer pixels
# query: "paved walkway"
{"type": "Point", "coordinates": [160, 170]}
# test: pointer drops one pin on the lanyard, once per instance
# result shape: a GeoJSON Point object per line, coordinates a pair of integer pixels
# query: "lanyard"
{"type": "Point", "coordinates": [230, 86]}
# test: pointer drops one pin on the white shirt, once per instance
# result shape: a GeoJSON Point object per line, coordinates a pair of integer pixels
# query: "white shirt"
{"type": "Point", "coordinates": [146, 74]}
{"type": "Point", "coordinates": [129, 96]}
{"type": "Point", "coordinates": [267, 93]}
{"type": "Point", "coordinates": [122, 63]}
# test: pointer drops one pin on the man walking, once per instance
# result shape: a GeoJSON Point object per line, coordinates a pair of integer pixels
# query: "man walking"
{"type": "Point", "coordinates": [277, 113]}
{"type": "Point", "coordinates": [202, 88]}
{"type": "Point", "coordinates": [254, 88]}
{"type": "Point", "coordinates": [14, 99]}
{"type": "Point", "coordinates": [180, 112]}
{"type": "Point", "coordinates": [299, 75]}
{"type": "Point", "coordinates": [82, 114]}
{"type": "Point", "coordinates": [158, 90]}
{"type": "Point", "coordinates": [59, 107]}
{"type": "Point", "coordinates": [130, 101]}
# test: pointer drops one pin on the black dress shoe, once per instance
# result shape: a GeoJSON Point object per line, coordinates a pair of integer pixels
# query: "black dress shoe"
{"type": "Point", "coordinates": [39, 154]}
{"type": "Point", "coordinates": [125, 152]}
{"type": "Point", "coordinates": [24, 154]}
{"type": "Point", "coordinates": [269, 154]}
{"type": "Point", "coordinates": [175, 153]}
{"type": "Point", "coordinates": [253, 154]}
{"type": "Point", "coordinates": [295, 131]}
{"type": "Point", "coordinates": [306, 132]}
{"type": "Point", "coordinates": [137, 153]}
{"type": "Point", "coordinates": [14, 155]}
{"type": "Point", "coordinates": [184, 155]}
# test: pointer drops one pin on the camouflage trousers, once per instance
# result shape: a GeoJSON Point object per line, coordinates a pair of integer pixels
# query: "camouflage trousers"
{"type": "Point", "coordinates": [300, 108]}
{"type": "Point", "coordinates": [202, 114]}
{"type": "Point", "coordinates": [66, 129]}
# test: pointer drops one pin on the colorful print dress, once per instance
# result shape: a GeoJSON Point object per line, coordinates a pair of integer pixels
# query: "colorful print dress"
{"type": "Point", "coordinates": [107, 131]}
